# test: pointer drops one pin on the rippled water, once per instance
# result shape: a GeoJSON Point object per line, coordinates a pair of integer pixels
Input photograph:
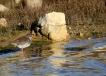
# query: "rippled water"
{"type": "Point", "coordinates": [75, 58]}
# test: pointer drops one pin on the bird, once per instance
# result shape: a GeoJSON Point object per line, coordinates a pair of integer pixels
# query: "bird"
{"type": "Point", "coordinates": [23, 42]}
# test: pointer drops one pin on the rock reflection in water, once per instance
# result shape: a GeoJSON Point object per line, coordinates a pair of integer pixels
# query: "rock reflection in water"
{"type": "Point", "coordinates": [58, 57]}
{"type": "Point", "coordinates": [53, 52]}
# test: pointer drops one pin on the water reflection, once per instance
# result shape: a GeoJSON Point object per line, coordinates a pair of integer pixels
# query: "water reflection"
{"type": "Point", "coordinates": [56, 59]}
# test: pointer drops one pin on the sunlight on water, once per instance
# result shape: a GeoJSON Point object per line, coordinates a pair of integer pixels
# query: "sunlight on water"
{"type": "Point", "coordinates": [57, 59]}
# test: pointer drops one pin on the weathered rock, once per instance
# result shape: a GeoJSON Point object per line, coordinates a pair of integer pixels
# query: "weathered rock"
{"type": "Point", "coordinates": [53, 18]}
{"type": "Point", "coordinates": [17, 3]}
{"type": "Point", "coordinates": [3, 8]}
{"type": "Point", "coordinates": [30, 3]}
{"type": "Point", "coordinates": [3, 22]}
{"type": "Point", "coordinates": [53, 26]}
{"type": "Point", "coordinates": [34, 3]}
{"type": "Point", "coordinates": [58, 33]}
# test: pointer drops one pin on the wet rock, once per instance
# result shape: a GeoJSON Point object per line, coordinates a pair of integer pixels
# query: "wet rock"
{"type": "Point", "coordinates": [89, 38]}
{"type": "Point", "coordinates": [78, 39]}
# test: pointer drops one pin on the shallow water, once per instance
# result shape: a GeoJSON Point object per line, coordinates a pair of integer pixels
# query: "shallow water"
{"type": "Point", "coordinates": [75, 58]}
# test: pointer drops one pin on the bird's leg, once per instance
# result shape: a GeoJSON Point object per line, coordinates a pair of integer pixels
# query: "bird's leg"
{"type": "Point", "coordinates": [22, 53]}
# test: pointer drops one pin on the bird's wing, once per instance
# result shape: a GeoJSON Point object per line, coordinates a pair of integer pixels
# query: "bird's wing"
{"type": "Point", "coordinates": [21, 40]}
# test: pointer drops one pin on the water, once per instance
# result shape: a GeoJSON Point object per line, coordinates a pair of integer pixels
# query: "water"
{"type": "Point", "coordinates": [75, 58]}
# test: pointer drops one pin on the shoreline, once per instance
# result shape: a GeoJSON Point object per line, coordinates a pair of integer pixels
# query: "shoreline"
{"type": "Point", "coordinates": [80, 32]}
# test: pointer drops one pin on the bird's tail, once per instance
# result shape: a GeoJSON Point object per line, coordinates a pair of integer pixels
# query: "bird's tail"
{"type": "Point", "coordinates": [13, 43]}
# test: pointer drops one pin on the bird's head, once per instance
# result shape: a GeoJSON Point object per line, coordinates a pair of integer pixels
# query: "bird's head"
{"type": "Point", "coordinates": [29, 36]}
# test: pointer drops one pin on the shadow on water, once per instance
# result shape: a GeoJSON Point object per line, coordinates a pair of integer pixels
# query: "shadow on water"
{"type": "Point", "coordinates": [57, 59]}
{"type": "Point", "coordinates": [6, 51]}
{"type": "Point", "coordinates": [75, 49]}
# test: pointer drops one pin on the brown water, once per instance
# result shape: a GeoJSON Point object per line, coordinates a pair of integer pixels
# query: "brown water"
{"type": "Point", "coordinates": [76, 58]}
